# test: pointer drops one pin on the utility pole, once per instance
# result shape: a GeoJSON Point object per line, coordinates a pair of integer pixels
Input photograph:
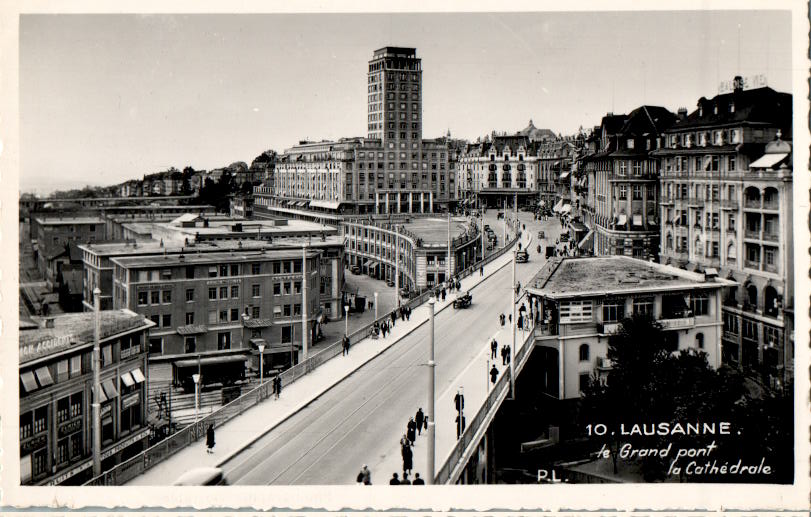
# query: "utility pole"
{"type": "Point", "coordinates": [505, 221]}
{"type": "Point", "coordinates": [429, 478]}
{"type": "Point", "coordinates": [376, 317]}
{"type": "Point", "coordinates": [96, 383]}
{"type": "Point", "coordinates": [515, 213]}
{"type": "Point", "coordinates": [396, 266]}
{"type": "Point", "coordinates": [305, 332]}
{"type": "Point", "coordinates": [481, 230]}
{"type": "Point", "coordinates": [512, 333]}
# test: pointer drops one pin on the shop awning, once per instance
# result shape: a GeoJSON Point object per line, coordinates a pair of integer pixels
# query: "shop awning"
{"type": "Point", "coordinates": [191, 330]}
{"type": "Point", "coordinates": [566, 209]}
{"type": "Point", "coordinates": [588, 241]}
{"type": "Point", "coordinates": [44, 376]}
{"type": "Point", "coordinates": [258, 323]}
{"type": "Point", "coordinates": [109, 389]}
{"type": "Point", "coordinates": [29, 382]}
{"type": "Point", "coordinates": [127, 379]}
{"type": "Point", "coordinates": [564, 175]}
{"type": "Point", "coordinates": [768, 160]}
{"type": "Point", "coordinates": [372, 265]}
{"type": "Point", "coordinates": [622, 219]}
{"type": "Point", "coordinates": [138, 375]}
{"type": "Point", "coordinates": [637, 219]}
{"type": "Point", "coordinates": [331, 205]}
{"type": "Point", "coordinates": [205, 361]}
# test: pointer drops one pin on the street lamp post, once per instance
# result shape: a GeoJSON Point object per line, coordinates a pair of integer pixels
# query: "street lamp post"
{"type": "Point", "coordinates": [196, 379]}
{"type": "Point", "coordinates": [96, 382]}
{"type": "Point", "coordinates": [261, 347]}
{"type": "Point", "coordinates": [396, 266]}
{"type": "Point", "coordinates": [448, 274]}
{"type": "Point", "coordinates": [429, 478]}
{"type": "Point", "coordinates": [376, 317]}
{"type": "Point", "coordinates": [305, 327]}
{"type": "Point", "coordinates": [346, 319]}
{"type": "Point", "coordinates": [512, 333]}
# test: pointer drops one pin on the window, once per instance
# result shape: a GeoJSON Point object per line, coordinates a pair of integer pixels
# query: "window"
{"type": "Point", "coordinates": [277, 268]}
{"type": "Point", "coordinates": [142, 298]}
{"type": "Point", "coordinates": [154, 297]}
{"type": "Point", "coordinates": [212, 271]}
{"type": "Point", "coordinates": [223, 316]}
{"type": "Point", "coordinates": [234, 269]}
{"type": "Point", "coordinates": [623, 192]}
{"type": "Point", "coordinates": [584, 381]}
{"type": "Point", "coordinates": [155, 345]}
{"type": "Point", "coordinates": [637, 192]}
{"type": "Point", "coordinates": [297, 309]}
{"type": "Point", "coordinates": [189, 271]}
{"type": "Point", "coordinates": [223, 293]}
{"type": "Point", "coordinates": [584, 352]}
{"type": "Point", "coordinates": [700, 304]}
{"type": "Point", "coordinates": [212, 293]}
{"type": "Point", "coordinates": [287, 288]}
{"type": "Point", "coordinates": [750, 329]}
{"type": "Point", "coordinates": [277, 289]}
{"type": "Point", "coordinates": [643, 306]}
{"type": "Point", "coordinates": [223, 340]}
{"type": "Point", "coordinates": [167, 320]}
{"type": "Point", "coordinates": [189, 318]}
{"type": "Point", "coordinates": [254, 312]}
{"type": "Point", "coordinates": [700, 341]}
{"type": "Point", "coordinates": [234, 314]}
{"type": "Point", "coordinates": [297, 287]}
{"type": "Point", "coordinates": [234, 291]}
{"type": "Point", "coordinates": [224, 270]}
{"type": "Point", "coordinates": [613, 311]}
{"type": "Point", "coordinates": [297, 266]}
{"type": "Point", "coordinates": [190, 344]}
{"type": "Point", "coordinates": [287, 334]}
{"type": "Point", "coordinates": [256, 291]}
{"type": "Point", "coordinates": [167, 296]}
{"type": "Point", "coordinates": [189, 295]}
{"type": "Point", "coordinates": [287, 267]}
{"type": "Point", "coordinates": [286, 310]}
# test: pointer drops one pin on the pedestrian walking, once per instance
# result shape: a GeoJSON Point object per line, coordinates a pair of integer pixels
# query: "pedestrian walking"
{"type": "Point", "coordinates": [345, 345]}
{"type": "Point", "coordinates": [493, 347]}
{"type": "Point", "coordinates": [493, 374]}
{"type": "Point", "coordinates": [364, 476]}
{"type": "Point", "coordinates": [408, 458]}
{"type": "Point", "coordinates": [393, 318]}
{"type": "Point", "coordinates": [278, 382]}
{"type": "Point", "coordinates": [402, 313]}
{"type": "Point", "coordinates": [501, 319]}
{"type": "Point", "coordinates": [510, 317]}
{"type": "Point", "coordinates": [443, 294]}
{"type": "Point", "coordinates": [408, 313]}
{"type": "Point", "coordinates": [418, 480]}
{"type": "Point", "coordinates": [481, 270]}
{"type": "Point", "coordinates": [521, 321]}
{"type": "Point", "coordinates": [405, 480]}
{"type": "Point", "coordinates": [210, 439]}
{"type": "Point", "coordinates": [460, 425]}
{"type": "Point", "coordinates": [418, 419]}
{"type": "Point", "coordinates": [425, 423]}
{"type": "Point", "coordinates": [504, 355]}
{"type": "Point", "coordinates": [394, 480]}
{"type": "Point", "coordinates": [507, 353]}
{"type": "Point", "coordinates": [519, 246]}
{"type": "Point", "coordinates": [411, 433]}
{"type": "Point", "coordinates": [458, 285]}
{"type": "Point", "coordinates": [404, 443]}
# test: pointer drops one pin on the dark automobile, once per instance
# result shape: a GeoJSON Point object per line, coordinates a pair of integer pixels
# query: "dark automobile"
{"type": "Point", "coordinates": [541, 235]}
{"type": "Point", "coordinates": [390, 283]}
{"type": "Point", "coordinates": [522, 256]}
{"type": "Point", "coordinates": [355, 270]}
{"type": "Point", "coordinates": [462, 301]}
{"type": "Point", "coordinates": [405, 293]}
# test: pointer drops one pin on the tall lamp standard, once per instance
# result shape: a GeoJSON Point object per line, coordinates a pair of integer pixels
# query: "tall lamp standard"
{"type": "Point", "coordinates": [429, 478]}
{"type": "Point", "coordinates": [512, 332]}
{"type": "Point", "coordinates": [261, 347]}
{"type": "Point", "coordinates": [196, 379]}
{"type": "Point", "coordinates": [376, 318]}
{"type": "Point", "coordinates": [96, 407]}
{"type": "Point", "coordinates": [346, 319]}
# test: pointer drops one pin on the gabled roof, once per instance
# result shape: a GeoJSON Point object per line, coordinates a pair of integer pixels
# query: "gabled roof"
{"type": "Point", "coordinates": [534, 133]}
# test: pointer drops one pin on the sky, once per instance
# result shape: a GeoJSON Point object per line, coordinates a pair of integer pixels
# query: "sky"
{"type": "Point", "coordinates": [106, 98]}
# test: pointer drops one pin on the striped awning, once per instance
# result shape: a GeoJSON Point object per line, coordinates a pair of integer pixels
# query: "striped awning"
{"type": "Point", "coordinates": [191, 330]}
{"type": "Point", "coordinates": [258, 323]}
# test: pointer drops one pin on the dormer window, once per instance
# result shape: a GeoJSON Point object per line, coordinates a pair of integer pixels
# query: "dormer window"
{"type": "Point", "coordinates": [700, 111]}
{"type": "Point", "coordinates": [630, 143]}
{"type": "Point", "coordinates": [492, 157]}
{"type": "Point", "coordinates": [715, 109]}
{"type": "Point", "coordinates": [732, 107]}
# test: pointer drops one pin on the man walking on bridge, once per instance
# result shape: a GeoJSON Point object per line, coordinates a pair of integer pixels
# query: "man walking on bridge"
{"type": "Point", "coordinates": [493, 347]}
{"type": "Point", "coordinates": [493, 374]}
{"type": "Point", "coordinates": [419, 418]}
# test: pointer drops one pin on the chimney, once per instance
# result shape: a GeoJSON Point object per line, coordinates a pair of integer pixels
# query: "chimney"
{"type": "Point", "coordinates": [682, 113]}
{"type": "Point", "coordinates": [737, 84]}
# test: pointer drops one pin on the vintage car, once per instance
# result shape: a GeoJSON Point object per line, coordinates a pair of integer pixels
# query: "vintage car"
{"type": "Point", "coordinates": [462, 300]}
{"type": "Point", "coordinates": [522, 256]}
{"type": "Point", "coordinates": [541, 235]}
{"type": "Point", "coordinates": [202, 476]}
{"type": "Point", "coordinates": [355, 270]}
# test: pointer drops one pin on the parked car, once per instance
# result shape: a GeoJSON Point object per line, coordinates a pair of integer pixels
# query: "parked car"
{"type": "Point", "coordinates": [202, 476]}
{"type": "Point", "coordinates": [463, 300]}
{"type": "Point", "coordinates": [405, 293]}
{"type": "Point", "coordinates": [564, 237]}
{"type": "Point", "coordinates": [541, 235]}
{"type": "Point", "coordinates": [355, 270]}
{"type": "Point", "coordinates": [522, 256]}
{"type": "Point", "coordinates": [487, 228]}
{"type": "Point", "coordinates": [390, 282]}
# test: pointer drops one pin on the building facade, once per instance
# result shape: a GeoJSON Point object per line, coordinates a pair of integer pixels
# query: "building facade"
{"type": "Point", "coordinates": [726, 180]}
{"type": "Point", "coordinates": [625, 179]}
{"type": "Point", "coordinates": [56, 394]}
{"type": "Point", "coordinates": [575, 316]}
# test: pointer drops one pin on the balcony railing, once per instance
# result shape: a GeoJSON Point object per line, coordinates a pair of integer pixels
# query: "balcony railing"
{"type": "Point", "coordinates": [604, 363]}
{"type": "Point", "coordinates": [771, 237]}
{"type": "Point", "coordinates": [752, 234]}
{"type": "Point", "coordinates": [751, 203]}
{"type": "Point", "coordinates": [731, 204]}
{"type": "Point", "coordinates": [608, 328]}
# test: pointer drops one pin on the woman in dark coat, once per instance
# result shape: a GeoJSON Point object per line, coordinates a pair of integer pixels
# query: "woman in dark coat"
{"type": "Point", "coordinates": [412, 430]}
{"type": "Point", "coordinates": [407, 460]}
{"type": "Point", "coordinates": [210, 439]}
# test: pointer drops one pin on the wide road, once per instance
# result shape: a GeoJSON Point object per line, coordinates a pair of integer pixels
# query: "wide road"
{"type": "Point", "coordinates": [359, 419]}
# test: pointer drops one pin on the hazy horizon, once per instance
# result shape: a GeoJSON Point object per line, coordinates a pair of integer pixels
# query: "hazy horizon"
{"type": "Point", "coordinates": [120, 96]}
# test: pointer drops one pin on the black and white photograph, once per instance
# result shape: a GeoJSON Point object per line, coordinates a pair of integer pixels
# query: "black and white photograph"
{"type": "Point", "coordinates": [283, 259]}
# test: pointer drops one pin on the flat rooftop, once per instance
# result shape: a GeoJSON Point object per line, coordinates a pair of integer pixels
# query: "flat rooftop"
{"type": "Point", "coordinates": [192, 258]}
{"type": "Point", "coordinates": [434, 230]}
{"type": "Point", "coordinates": [152, 246]}
{"type": "Point", "coordinates": [72, 329]}
{"type": "Point", "coordinates": [563, 277]}
{"type": "Point", "coordinates": [45, 221]}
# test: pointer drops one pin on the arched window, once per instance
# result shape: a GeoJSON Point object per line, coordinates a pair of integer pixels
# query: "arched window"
{"type": "Point", "coordinates": [731, 254]}
{"type": "Point", "coordinates": [700, 341]}
{"type": "Point", "coordinates": [669, 242]}
{"type": "Point", "coordinates": [492, 180]}
{"type": "Point", "coordinates": [584, 352]}
{"type": "Point", "coordinates": [752, 197]}
{"type": "Point", "coordinates": [770, 299]}
{"type": "Point", "coordinates": [506, 179]}
{"type": "Point", "coordinates": [521, 179]}
{"type": "Point", "coordinates": [771, 198]}
{"type": "Point", "coordinates": [751, 295]}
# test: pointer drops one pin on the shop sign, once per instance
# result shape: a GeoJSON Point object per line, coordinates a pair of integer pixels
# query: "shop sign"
{"type": "Point", "coordinates": [130, 400]}
{"type": "Point", "coordinates": [70, 428]}
{"type": "Point", "coordinates": [70, 473]}
{"type": "Point", "coordinates": [33, 444]}
{"type": "Point", "coordinates": [124, 444]}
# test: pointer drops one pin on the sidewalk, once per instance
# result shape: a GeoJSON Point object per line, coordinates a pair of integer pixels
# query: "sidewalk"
{"type": "Point", "coordinates": [243, 430]}
{"type": "Point", "coordinates": [476, 384]}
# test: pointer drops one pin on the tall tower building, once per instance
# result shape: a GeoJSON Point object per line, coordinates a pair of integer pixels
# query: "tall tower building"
{"type": "Point", "coordinates": [395, 98]}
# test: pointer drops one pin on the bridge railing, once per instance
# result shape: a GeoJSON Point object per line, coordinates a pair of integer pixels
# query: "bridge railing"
{"type": "Point", "coordinates": [494, 398]}
{"type": "Point", "coordinates": [169, 446]}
